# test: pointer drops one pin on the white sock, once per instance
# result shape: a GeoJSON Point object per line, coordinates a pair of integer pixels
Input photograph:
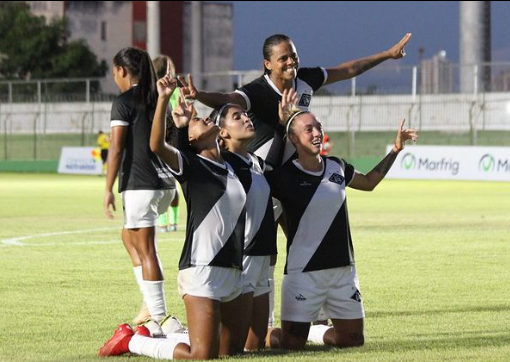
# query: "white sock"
{"type": "Point", "coordinates": [154, 296]}
{"type": "Point", "coordinates": [160, 348]}
{"type": "Point", "coordinates": [316, 334]}
{"type": "Point", "coordinates": [138, 275]}
{"type": "Point", "coordinates": [270, 321]}
{"type": "Point", "coordinates": [179, 337]}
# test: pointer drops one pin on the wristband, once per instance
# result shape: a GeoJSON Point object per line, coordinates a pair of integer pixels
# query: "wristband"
{"type": "Point", "coordinates": [395, 148]}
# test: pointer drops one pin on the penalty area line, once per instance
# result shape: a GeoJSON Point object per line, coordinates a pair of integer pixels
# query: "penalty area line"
{"type": "Point", "coordinates": [19, 241]}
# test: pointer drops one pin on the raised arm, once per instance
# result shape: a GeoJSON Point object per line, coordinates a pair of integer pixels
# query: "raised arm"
{"type": "Point", "coordinates": [369, 181]}
{"type": "Point", "coordinates": [181, 115]}
{"type": "Point", "coordinates": [356, 67]}
{"type": "Point", "coordinates": [210, 99]}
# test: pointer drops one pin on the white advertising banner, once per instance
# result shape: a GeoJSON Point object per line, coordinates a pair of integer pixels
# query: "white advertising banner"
{"type": "Point", "coordinates": [80, 160]}
{"type": "Point", "coordinates": [452, 163]}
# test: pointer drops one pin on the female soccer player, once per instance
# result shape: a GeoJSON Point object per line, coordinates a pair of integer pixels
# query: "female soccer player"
{"type": "Point", "coordinates": [320, 270]}
{"type": "Point", "coordinates": [145, 182]}
{"type": "Point", "coordinates": [236, 132]}
{"type": "Point", "coordinates": [210, 268]}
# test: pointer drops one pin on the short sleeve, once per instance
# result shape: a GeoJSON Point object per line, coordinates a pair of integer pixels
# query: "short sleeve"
{"type": "Point", "coordinates": [314, 77]}
{"type": "Point", "coordinates": [121, 113]}
{"type": "Point", "coordinates": [348, 172]}
{"type": "Point", "coordinates": [251, 94]}
{"type": "Point", "coordinates": [274, 181]}
{"type": "Point", "coordinates": [187, 165]}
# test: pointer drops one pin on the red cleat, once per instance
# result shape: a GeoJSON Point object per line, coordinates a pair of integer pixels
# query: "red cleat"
{"type": "Point", "coordinates": [119, 343]}
{"type": "Point", "coordinates": [143, 331]}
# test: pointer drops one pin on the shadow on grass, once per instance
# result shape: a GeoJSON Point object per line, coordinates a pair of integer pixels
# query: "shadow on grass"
{"type": "Point", "coordinates": [310, 349]}
{"type": "Point", "coordinates": [425, 312]}
{"type": "Point", "coordinates": [441, 343]}
{"type": "Point", "coordinates": [476, 339]}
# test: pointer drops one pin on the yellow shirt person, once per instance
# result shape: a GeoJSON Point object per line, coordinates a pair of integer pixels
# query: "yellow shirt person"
{"type": "Point", "coordinates": [103, 141]}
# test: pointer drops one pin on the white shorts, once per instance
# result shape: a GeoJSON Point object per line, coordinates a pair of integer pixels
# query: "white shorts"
{"type": "Point", "coordinates": [213, 282]}
{"type": "Point", "coordinates": [143, 207]}
{"type": "Point", "coordinates": [335, 290]}
{"type": "Point", "coordinates": [256, 275]}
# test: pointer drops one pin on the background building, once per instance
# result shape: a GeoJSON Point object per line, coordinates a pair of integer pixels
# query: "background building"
{"type": "Point", "coordinates": [436, 75]}
{"type": "Point", "coordinates": [501, 81]}
{"type": "Point", "coordinates": [109, 26]}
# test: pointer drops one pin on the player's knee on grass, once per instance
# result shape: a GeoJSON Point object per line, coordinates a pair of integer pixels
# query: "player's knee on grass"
{"type": "Point", "coordinates": [294, 335]}
{"type": "Point", "coordinates": [345, 339]}
{"type": "Point", "coordinates": [346, 333]}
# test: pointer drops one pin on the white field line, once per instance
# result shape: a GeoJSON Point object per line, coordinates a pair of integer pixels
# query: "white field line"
{"type": "Point", "coordinates": [18, 241]}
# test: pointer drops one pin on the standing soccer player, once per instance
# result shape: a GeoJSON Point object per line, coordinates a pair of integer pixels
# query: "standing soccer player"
{"type": "Point", "coordinates": [145, 182]}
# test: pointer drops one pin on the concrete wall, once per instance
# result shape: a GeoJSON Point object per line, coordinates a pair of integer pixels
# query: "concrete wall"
{"type": "Point", "coordinates": [457, 113]}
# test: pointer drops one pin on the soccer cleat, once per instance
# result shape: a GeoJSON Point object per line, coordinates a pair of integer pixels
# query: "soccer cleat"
{"type": "Point", "coordinates": [171, 324]}
{"type": "Point", "coordinates": [173, 227]}
{"type": "Point", "coordinates": [163, 229]}
{"type": "Point", "coordinates": [143, 331]}
{"type": "Point", "coordinates": [154, 328]}
{"type": "Point", "coordinates": [119, 343]}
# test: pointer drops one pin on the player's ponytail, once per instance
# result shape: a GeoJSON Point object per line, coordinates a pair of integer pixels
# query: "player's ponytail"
{"type": "Point", "coordinates": [138, 63]}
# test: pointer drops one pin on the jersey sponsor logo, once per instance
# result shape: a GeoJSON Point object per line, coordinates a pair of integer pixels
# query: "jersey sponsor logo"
{"type": "Point", "coordinates": [336, 178]}
{"type": "Point", "coordinates": [356, 296]}
{"type": "Point", "coordinates": [300, 297]}
{"type": "Point", "coordinates": [305, 100]}
{"type": "Point", "coordinates": [305, 183]}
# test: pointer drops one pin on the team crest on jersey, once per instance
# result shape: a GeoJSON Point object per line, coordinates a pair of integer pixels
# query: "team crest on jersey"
{"type": "Point", "coordinates": [356, 296]}
{"type": "Point", "coordinates": [336, 178]}
{"type": "Point", "coordinates": [305, 100]}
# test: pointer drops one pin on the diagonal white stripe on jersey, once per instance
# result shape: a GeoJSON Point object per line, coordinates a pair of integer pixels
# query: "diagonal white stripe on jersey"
{"type": "Point", "coordinates": [256, 201]}
{"type": "Point", "coordinates": [219, 223]}
{"type": "Point", "coordinates": [317, 219]}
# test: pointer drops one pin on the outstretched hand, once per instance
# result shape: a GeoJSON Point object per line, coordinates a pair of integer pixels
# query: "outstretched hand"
{"type": "Point", "coordinates": [188, 89]}
{"type": "Point", "coordinates": [398, 50]}
{"type": "Point", "coordinates": [166, 85]}
{"type": "Point", "coordinates": [404, 135]}
{"type": "Point", "coordinates": [289, 99]}
{"type": "Point", "coordinates": [184, 111]}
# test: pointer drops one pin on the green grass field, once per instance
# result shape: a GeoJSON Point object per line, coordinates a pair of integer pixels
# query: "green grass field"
{"type": "Point", "coordinates": [433, 259]}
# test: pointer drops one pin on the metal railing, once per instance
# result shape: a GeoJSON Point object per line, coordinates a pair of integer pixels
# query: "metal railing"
{"type": "Point", "coordinates": [38, 117]}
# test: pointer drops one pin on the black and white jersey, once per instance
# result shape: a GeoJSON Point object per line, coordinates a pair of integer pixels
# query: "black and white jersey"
{"type": "Point", "coordinates": [215, 223]}
{"type": "Point", "coordinates": [262, 98]}
{"type": "Point", "coordinates": [140, 169]}
{"type": "Point", "coordinates": [315, 211]}
{"type": "Point", "coordinates": [260, 233]}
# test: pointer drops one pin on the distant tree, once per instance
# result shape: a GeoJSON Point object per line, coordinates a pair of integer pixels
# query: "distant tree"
{"type": "Point", "coordinates": [32, 49]}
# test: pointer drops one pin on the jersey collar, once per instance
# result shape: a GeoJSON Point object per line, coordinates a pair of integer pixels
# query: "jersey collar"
{"type": "Point", "coordinates": [275, 88]}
